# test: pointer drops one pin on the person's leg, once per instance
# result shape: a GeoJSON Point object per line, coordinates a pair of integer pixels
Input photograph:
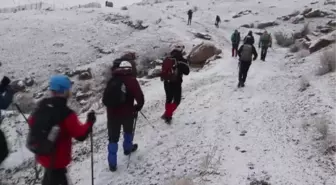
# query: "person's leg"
{"type": "Point", "coordinates": [3, 147]}
{"type": "Point", "coordinates": [265, 52]}
{"type": "Point", "coordinates": [236, 50]}
{"type": "Point", "coordinates": [169, 95]}
{"type": "Point", "coordinates": [245, 71]}
{"type": "Point", "coordinates": [240, 73]}
{"type": "Point", "coordinates": [55, 177]}
{"type": "Point", "coordinates": [233, 50]}
{"type": "Point", "coordinates": [262, 53]}
{"type": "Point", "coordinates": [113, 127]}
{"type": "Point", "coordinates": [129, 147]}
{"type": "Point", "coordinates": [177, 97]}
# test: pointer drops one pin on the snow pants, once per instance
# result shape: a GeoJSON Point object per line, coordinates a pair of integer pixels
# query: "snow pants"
{"type": "Point", "coordinates": [244, 66]}
{"type": "Point", "coordinates": [235, 50]}
{"type": "Point", "coordinates": [173, 92]}
{"type": "Point", "coordinates": [263, 53]}
{"type": "Point", "coordinates": [114, 126]}
{"type": "Point", "coordinates": [189, 20]}
{"type": "Point", "coordinates": [3, 147]}
{"type": "Point", "coordinates": [55, 177]}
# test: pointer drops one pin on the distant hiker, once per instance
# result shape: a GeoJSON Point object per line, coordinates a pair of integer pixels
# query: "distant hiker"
{"type": "Point", "coordinates": [245, 53]}
{"type": "Point", "coordinates": [6, 97]}
{"type": "Point", "coordinates": [118, 97]}
{"type": "Point", "coordinates": [52, 126]}
{"type": "Point", "coordinates": [108, 4]}
{"type": "Point", "coordinates": [173, 68]}
{"type": "Point", "coordinates": [190, 13]}
{"type": "Point", "coordinates": [265, 41]}
{"type": "Point", "coordinates": [218, 20]}
{"type": "Point", "coordinates": [235, 39]}
{"type": "Point", "coordinates": [250, 38]}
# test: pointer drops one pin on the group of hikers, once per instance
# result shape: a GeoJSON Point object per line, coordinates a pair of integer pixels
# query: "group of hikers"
{"type": "Point", "coordinates": [53, 124]}
{"type": "Point", "coordinates": [190, 14]}
{"type": "Point", "coordinates": [247, 52]}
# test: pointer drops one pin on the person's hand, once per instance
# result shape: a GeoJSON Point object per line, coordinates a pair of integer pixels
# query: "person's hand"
{"type": "Point", "coordinates": [5, 81]}
{"type": "Point", "coordinates": [137, 107]}
{"type": "Point", "coordinates": [91, 117]}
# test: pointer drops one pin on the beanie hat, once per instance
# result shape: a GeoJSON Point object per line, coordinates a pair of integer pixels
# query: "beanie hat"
{"type": "Point", "coordinates": [59, 83]}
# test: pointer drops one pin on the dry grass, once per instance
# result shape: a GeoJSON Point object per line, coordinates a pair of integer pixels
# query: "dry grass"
{"type": "Point", "coordinates": [327, 62]}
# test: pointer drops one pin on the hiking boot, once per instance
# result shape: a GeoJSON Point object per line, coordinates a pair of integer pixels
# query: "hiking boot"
{"type": "Point", "coordinates": [242, 85]}
{"type": "Point", "coordinates": [135, 148]}
{"type": "Point", "coordinates": [239, 85]}
{"type": "Point", "coordinates": [113, 168]}
{"type": "Point", "coordinates": [168, 120]}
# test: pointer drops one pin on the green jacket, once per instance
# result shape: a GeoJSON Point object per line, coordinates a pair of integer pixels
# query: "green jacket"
{"type": "Point", "coordinates": [265, 40]}
{"type": "Point", "coordinates": [235, 38]}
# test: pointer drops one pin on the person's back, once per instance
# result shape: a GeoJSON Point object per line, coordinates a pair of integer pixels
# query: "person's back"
{"type": "Point", "coordinates": [265, 40]}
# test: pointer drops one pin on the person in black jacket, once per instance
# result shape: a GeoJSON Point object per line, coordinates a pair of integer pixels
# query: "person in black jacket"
{"type": "Point", "coordinates": [190, 13]}
{"type": "Point", "coordinates": [218, 20]}
{"type": "Point", "coordinates": [245, 53]}
{"type": "Point", "coordinates": [249, 38]}
{"type": "Point", "coordinates": [173, 88]}
{"type": "Point", "coordinates": [6, 97]}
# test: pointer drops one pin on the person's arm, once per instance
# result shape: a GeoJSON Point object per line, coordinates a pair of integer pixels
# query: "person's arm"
{"type": "Point", "coordinates": [6, 100]}
{"type": "Point", "coordinates": [183, 67]}
{"type": "Point", "coordinates": [133, 86]}
{"type": "Point", "coordinates": [270, 43]}
{"type": "Point", "coordinates": [240, 50]}
{"type": "Point", "coordinates": [76, 129]}
{"type": "Point", "coordinates": [254, 52]}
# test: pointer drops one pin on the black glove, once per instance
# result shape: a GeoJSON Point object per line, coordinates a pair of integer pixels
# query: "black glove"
{"type": "Point", "coordinates": [91, 117]}
{"type": "Point", "coordinates": [137, 107]}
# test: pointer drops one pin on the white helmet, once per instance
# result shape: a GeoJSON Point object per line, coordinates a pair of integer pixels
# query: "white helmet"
{"type": "Point", "coordinates": [125, 64]}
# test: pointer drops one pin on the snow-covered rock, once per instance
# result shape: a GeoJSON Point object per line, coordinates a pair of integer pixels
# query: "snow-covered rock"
{"type": "Point", "coordinates": [153, 73]}
{"type": "Point", "coordinates": [316, 14]}
{"type": "Point", "coordinates": [202, 52]}
{"type": "Point", "coordinates": [323, 42]}
{"type": "Point", "coordinates": [263, 25]}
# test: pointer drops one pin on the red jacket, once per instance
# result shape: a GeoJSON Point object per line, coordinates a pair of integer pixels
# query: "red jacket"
{"type": "Point", "coordinates": [133, 90]}
{"type": "Point", "coordinates": [71, 127]}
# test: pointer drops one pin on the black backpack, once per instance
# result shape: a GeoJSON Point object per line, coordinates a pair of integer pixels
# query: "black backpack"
{"type": "Point", "coordinates": [44, 132]}
{"type": "Point", "coordinates": [114, 93]}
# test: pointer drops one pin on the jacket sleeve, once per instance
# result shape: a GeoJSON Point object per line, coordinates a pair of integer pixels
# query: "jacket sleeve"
{"type": "Point", "coordinates": [76, 129]}
{"type": "Point", "coordinates": [183, 67]}
{"type": "Point", "coordinates": [240, 50]}
{"type": "Point", "coordinates": [6, 100]}
{"type": "Point", "coordinates": [133, 86]}
{"type": "Point", "coordinates": [254, 52]}
{"type": "Point", "coordinates": [259, 44]}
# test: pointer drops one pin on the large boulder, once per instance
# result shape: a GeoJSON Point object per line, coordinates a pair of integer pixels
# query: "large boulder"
{"type": "Point", "coordinates": [316, 14]}
{"type": "Point", "coordinates": [305, 11]}
{"type": "Point", "coordinates": [204, 36]}
{"type": "Point", "coordinates": [202, 52]}
{"type": "Point", "coordinates": [267, 24]}
{"type": "Point", "coordinates": [153, 73]}
{"type": "Point", "coordinates": [298, 19]}
{"type": "Point", "coordinates": [322, 42]}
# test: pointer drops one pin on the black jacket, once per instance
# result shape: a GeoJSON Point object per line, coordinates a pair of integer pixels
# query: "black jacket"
{"type": "Point", "coordinates": [254, 52]}
{"type": "Point", "coordinates": [181, 66]}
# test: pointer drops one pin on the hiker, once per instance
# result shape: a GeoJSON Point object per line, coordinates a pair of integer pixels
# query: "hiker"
{"type": "Point", "coordinates": [249, 37]}
{"type": "Point", "coordinates": [190, 13]}
{"type": "Point", "coordinates": [245, 53]}
{"type": "Point", "coordinates": [235, 40]}
{"type": "Point", "coordinates": [108, 4]}
{"type": "Point", "coordinates": [6, 98]}
{"type": "Point", "coordinates": [173, 68]}
{"type": "Point", "coordinates": [118, 97]}
{"type": "Point", "coordinates": [52, 126]}
{"type": "Point", "coordinates": [218, 20]}
{"type": "Point", "coordinates": [265, 42]}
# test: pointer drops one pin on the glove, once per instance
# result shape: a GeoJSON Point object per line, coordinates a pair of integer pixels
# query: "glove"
{"type": "Point", "coordinates": [5, 81]}
{"type": "Point", "coordinates": [91, 117]}
{"type": "Point", "coordinates": [137, 107]}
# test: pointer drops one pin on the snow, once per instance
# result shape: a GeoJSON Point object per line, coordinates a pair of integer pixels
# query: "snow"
{"type": "Point", "coordinates": [220, 134]}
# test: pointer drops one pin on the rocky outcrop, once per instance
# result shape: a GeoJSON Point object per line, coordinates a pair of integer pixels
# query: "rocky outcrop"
{"type": "Point", "coordinates": [203, 36]}
{"type": "Point", "coordinates": [202, 52]}
{"type": "Point", "coordinates": [153, 73]}
{"type": "Point", "coordinates": [267, 24]}
{"type": "Point", "coordinates": [298, 19]}
{"type": "Point", "coordinates": [322, 42]}
{"type": "Point", "coordinates": [316, 14]}
{"type": "Point", "coordinates": [245, 12]}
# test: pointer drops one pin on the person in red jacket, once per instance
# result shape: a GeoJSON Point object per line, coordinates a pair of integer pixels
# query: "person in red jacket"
{"type": "Point", "coordinates": [124, 113]}
{"type": "Point", "coordinates": [56, 164]}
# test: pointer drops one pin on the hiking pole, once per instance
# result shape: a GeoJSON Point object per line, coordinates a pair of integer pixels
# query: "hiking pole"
{"type": "Point", "coordinates": [35, 167]}
{"type": "Point", "coordinates": [148, 121]}
{"type": "Point", "coordinates": [133, 132]}
{"type": "Point", "coordinates": [92, 173]}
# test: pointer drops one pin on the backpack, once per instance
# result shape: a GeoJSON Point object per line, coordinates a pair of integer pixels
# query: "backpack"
{"type": "Point", "coordinates": [114, 93]}
{"type": "Point", "coordinates": [43, 134]}
{"type": "Point", "coordinates": [265, 39]}
{"type": "Point", "coordinates": [167, 70]}
{"type": "Point", "coordinates": [246, 54]}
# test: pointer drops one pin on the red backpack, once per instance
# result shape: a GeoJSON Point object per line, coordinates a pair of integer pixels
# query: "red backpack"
{"type": "Point", "coordinates": [167, 71]}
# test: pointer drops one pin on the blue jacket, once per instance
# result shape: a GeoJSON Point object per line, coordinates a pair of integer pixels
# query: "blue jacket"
{"type": "Point", "coordinates": [6, 99]}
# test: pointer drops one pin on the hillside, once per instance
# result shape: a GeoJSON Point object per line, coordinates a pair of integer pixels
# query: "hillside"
{"type": "Point", "coordinates": [278, 130]}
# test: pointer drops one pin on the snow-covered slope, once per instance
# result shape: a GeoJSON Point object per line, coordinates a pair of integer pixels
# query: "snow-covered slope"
{"type": "Point", "coordinates": [269, 132]}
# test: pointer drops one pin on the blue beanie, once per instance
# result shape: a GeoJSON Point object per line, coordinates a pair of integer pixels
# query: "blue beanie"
{"type": "Point", "coordinates": [59, 83]}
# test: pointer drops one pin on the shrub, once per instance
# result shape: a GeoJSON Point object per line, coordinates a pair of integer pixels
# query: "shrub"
{"type": "Point", "coordinates": [283, 40]}
{"type": "Point", "coordinates": [327, 62]}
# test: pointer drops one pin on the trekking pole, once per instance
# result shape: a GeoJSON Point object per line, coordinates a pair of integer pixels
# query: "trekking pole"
{"type": "Point", "coordinates": [92, 173]}
{"type": "Point", "coordinates": [133, 132]}
{"type": "Point", "coordinates": [37, 172]}
{"type": "Point", "coordinates": [148, 121]}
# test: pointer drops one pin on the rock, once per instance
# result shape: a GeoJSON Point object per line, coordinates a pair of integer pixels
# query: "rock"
{"type": "Point", "coordinates": [25, 102]}
{"type": "Point", "coordinates": [84, 74]}
{"type": "Point", "coordinates": [247, 25]}
{"type": "Point", "coordinates": [128, 56]}
{"type": "Point", "coordinates": [326, 29]}
{"type": "Point", "coordinates": [202, 52]}
{"type": "Point", "coordinates": [153, 73]}
{"type": "Point", "coordinates": [203, 36]}
{"type": "Point", "coordinates": [267, 24]}
{"type": "Point", "coordinates": [59, 45]}
{"type": "Point", "coordinates": [314, 2]}
{"type": "Point", "coordinates": [18, 85]}
{"type": "Point", "coordinates": [29, 81]}
{"type": "Point", "coordinates": [138, 25]}
{"type": "Point", "coordinates": [323, 42]}
{"type": "Point", "coordinates": [258, 33]}
{"type": "Point", "coordinates": [80, 96]}
{"type": "Point", "coordinates": [286, 18]}
{"type": "Point", "coordinates": [332, 23]}
{"type": "Point", "coordinates": [226, 20]}
{"type": "Point", "coordinates": [108, 4]}
{"type": "Point", "coordinates": [329, 2]}
{"type": "Point", "coordinates": [245, 12]}
{"type": "Point", "coordinates": [316, 14]}
{"type": "Point", "coordinates": [124, 8]}
{"type": "Point", "coordinates": [38, 95]}
{"type": "Point", "coordinates": [295, 13]}
{"type": "Point", "coordinates": [305, 11]}
{"type": "Point", "coordinates": [298, 19]}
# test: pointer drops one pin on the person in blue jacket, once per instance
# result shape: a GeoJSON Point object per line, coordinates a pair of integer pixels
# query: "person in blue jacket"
{"type": "Point", "coordinates": [6, 97]}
